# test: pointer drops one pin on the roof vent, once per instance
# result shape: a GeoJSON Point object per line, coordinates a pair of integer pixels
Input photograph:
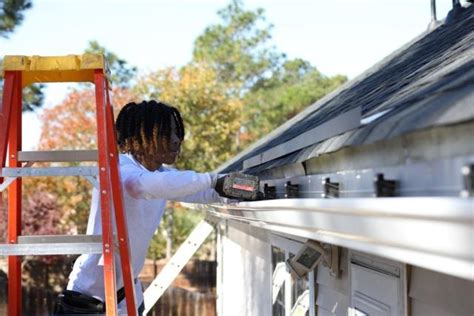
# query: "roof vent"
{"type": "Point", "coordinates": [455, 12]}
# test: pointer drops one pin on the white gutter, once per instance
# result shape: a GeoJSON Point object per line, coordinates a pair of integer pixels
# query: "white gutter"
{"type": "Point", "coordinates": [431, 232]}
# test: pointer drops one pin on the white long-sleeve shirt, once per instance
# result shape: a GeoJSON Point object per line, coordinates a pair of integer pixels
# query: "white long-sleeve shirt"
{"type": "Point", "coordinates": [145, 194]}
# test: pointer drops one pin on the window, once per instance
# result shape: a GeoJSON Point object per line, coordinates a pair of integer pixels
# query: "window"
{"type": "Point", "coordinates": [300, 295]}
{"type": "Point", "coordinates": [278, 265]}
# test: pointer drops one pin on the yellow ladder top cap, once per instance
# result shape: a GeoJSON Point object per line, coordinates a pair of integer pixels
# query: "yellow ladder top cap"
{"type": "Point", "coordinates": [70, 68]}
{"type": "Point", "coordinates": [54, 63]}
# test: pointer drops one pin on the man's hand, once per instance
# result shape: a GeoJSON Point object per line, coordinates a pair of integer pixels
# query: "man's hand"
{"type": "Point", "coordinates": [220, 185]}
{"type": "Point", "coordinates": [237, 186]}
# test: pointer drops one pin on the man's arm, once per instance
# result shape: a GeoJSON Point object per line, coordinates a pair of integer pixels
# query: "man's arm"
{"type": "Point", "coordinates": [169, 184]}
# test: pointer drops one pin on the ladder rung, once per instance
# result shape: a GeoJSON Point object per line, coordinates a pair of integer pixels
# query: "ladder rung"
{"type": "Point", "coordinates": [49, 172]}
{"type": "Point", "coordinates": [53, 245]}
{"type": "Point", "coordinates": [58, 155]}
{"type": "Point", "coordinates": [40, 239]}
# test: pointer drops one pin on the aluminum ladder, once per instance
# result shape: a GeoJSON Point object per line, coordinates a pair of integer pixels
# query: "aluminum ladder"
{"type": "Point", "coordinates": [21, 71]}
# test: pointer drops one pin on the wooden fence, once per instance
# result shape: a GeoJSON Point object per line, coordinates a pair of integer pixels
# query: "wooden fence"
{"type": "Point", "coordinates": [193, 294]}
{"type": "Point", "coordinates": [178, 301]}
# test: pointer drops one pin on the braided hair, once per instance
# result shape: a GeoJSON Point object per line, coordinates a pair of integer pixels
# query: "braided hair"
{"type": "Point", "coordinates": [140, 126]}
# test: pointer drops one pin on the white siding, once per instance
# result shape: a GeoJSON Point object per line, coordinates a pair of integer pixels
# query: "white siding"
{"type": "Point", "coordinates": [246, 282]}
{"type": "Point", "coordinates": [433, 293]}
{"type": "Point", "coordinates": [376, 285]}
{"type": "Point", "coordinates": [332, 293]}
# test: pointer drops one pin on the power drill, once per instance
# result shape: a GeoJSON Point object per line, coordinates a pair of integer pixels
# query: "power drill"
{"type": "Point", "coordinates": [241, 186]}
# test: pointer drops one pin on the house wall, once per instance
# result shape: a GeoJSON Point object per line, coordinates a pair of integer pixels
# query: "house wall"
{"type": "Point", "coordinates": [367, 283]}
{"type": "Point", "coordinates": [432, 293]}
{"type": "Point", "coordinates": [332, 294]}
{"type": "Point", "coordinates": [244, 274]}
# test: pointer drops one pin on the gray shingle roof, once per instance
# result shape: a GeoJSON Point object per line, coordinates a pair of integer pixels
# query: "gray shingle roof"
{"type": "Point", "coordinates": [428, 82]}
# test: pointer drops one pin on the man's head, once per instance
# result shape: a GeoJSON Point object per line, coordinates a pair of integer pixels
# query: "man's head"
{"type": "Point", "coordinates": [151, 131]}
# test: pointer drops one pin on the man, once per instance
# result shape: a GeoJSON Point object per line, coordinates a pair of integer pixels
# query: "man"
{"type": "Point", "coordinates": [149, 135]}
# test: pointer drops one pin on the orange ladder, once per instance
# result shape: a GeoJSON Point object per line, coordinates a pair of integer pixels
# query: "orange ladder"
{"type": "Point", "coordinates": [21, 71]}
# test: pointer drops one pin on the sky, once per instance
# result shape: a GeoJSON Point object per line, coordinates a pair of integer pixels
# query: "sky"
{"type": "Point", "coordinates": [338, 36]}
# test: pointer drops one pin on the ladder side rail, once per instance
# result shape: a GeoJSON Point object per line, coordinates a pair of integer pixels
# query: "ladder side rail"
{"type": "Point", "coordinates": [14, 199]}
{"type": "Point", "coordinates": [105, 198]}
{"type": "Point", "coordinates": [5, 112]}
{"type": "Point", "coordinates": [10, 77]}
{"type": "Point", "coordinates": [121, 219]}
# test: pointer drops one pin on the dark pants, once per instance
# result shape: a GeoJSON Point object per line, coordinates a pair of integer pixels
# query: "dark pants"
{"type": "Point", "coordinates": [75, 303]}
{"type": "Point", "coordinates": [141, 309]}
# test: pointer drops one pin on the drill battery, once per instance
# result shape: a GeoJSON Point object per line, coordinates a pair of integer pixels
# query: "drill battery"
{"type": "Point", "coordinates": [241, 186]}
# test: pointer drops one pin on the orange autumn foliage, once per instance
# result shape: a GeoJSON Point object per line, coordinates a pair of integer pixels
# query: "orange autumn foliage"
{"type": "Point", "coordinates": [67, 126]}
{"type": "Point", "coordinates": [72, 124]}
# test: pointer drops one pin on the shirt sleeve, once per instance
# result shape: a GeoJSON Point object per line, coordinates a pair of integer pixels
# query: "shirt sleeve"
{"type": "Point", "coordinates": [169, 184]}
{"type": "Point", "coordinates": [203, 197]}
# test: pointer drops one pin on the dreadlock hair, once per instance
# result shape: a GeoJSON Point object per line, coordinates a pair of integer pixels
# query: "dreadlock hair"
{"type": "Point", "coordinates": [142, 125]}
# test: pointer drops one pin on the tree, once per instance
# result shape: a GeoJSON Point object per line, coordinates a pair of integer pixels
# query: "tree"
{"type": "Point", "coordinates": [41, 215]}
{"type": "Point", "coordinates": [176, 225]}
{"type": "Point", "coordinates": [76, 114]}
{"type": "Point", "coordinates": [32, 95]}
{"type": "Point", "coordinates": [121, 72]}
{"type": "Point", "coordinates": [11, 15]}
{"type": "Point", "coordinates": [212, 116]}
{"type": "Point", "coordinates": [289, 90]}
{"type": "Point", "coordinates": [238, 48]}
{"type": "Point", "coordinates": [272, 87]}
